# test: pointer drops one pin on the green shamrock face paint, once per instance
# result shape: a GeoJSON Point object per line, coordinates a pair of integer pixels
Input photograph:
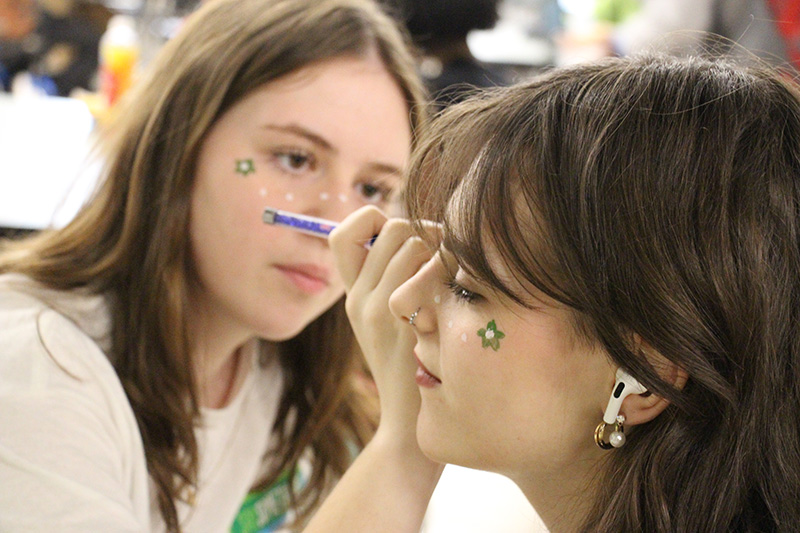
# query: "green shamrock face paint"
{"type": "Point", "coordinates": [245, 166]}
{"type": "Point", "coordinates": [490, 336]}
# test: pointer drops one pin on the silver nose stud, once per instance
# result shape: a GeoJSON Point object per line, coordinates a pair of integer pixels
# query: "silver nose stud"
{"type": "Point", "coordinates": [413, 317]}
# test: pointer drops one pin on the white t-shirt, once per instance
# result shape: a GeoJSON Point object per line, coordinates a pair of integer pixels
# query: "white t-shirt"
{"type": "Point", "coordinates": [71, 455]}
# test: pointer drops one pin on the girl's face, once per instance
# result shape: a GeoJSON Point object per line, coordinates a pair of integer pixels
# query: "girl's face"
{"type": "Point", "coordinates": [322, 141]}
{"type": "Point", "coordinates": [508, 389]}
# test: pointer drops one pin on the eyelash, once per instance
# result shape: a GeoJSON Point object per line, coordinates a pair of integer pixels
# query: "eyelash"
{"type": "Point", "coordinates": [379, 190]}
{"type": "Point", "coordinates": [462, 294]}
{"type": "Point", "coordinates": [285, 158]}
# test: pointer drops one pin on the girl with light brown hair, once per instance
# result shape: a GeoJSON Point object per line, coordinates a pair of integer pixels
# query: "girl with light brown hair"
{"type": "Point", "coordinates": [169, 361]}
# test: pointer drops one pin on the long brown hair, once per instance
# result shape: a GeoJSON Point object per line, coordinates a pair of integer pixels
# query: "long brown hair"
{"type": "Point", "coordinates": [658, 197]}
{"type": "Point", "coordinates": [131, 241]}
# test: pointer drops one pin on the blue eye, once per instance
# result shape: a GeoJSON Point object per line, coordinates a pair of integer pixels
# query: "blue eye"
{"type": "Point", "coordinates": [462, 294]}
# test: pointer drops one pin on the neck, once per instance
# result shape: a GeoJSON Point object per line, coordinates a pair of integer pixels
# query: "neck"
{"type": "Point", "coordinates": [218, 386]}
{"type": "Point", "coordinates": [563, 496]}
{"type": "Point", "coordinates": [217, 352]}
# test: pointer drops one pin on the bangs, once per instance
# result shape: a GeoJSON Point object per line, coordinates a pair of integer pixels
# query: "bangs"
{"type": "Point", "coordinates": [476, 173]}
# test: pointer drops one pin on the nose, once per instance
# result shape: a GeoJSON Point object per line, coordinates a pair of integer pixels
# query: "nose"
{"type": "Point", "coordinates": [414, 301]}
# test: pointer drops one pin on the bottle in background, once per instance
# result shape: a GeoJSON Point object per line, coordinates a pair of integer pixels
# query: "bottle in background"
{"type": "Point", "coordinates": [119, 54]}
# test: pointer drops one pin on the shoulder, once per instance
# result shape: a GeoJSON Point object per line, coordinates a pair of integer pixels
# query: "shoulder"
{"type": "Point", "coordinates": [49, 335]}
{"type": "Point", "coordinates": [69, 433]}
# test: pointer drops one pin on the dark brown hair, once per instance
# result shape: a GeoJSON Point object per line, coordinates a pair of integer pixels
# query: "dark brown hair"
{"type": "Point", "coordinates": [659, 197]}
{"type": "Point", "coordinates": [131, 242]}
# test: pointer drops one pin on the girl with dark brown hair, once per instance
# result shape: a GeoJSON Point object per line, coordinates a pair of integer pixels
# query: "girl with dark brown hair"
{"type": "Point", "coordinates": [609, 315]}
{"type": "Point", "coordinates": [167, 353]}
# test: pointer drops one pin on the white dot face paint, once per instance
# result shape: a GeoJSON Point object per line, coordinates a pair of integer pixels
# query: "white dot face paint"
{"type": "Point", "coordinates": [450, 324]}
{"type": "Point", "coordinates": [289, 197]}
{"type": "Point", "coordinates": [342, 198]}
{"type": "Point", "coordinates": [263, 193]}
{"type": "Point", "coordinates": [463, 337]}
{"type": "Point", "coordinates": [437, 299]}
{"type": "Point", "coordinates": [324, 196]}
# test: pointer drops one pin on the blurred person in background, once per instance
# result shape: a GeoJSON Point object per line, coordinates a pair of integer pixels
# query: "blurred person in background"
{"type": "Point", "coordinates": [55, 42]}
{"type": "Point", "coordinates": [439, 28]}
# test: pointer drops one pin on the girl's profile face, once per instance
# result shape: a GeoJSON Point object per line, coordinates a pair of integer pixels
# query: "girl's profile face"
{"type": "Point", "coordinates": [512, 390]}
{"type": "Point", "coordinates": [322, 141]}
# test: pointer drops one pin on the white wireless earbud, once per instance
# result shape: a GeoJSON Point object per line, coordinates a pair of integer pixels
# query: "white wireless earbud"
{"type": "Point", "coordinates": [624, 387]}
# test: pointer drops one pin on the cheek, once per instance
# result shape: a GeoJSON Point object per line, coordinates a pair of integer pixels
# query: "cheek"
{"type": "Point", "coordinates": [529, 374]}
{"type": "Point", "coordinates": [466, 366]}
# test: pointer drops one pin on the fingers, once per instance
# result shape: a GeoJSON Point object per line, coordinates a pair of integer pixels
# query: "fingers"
{"type": "Point", "coordinates": [408, 254]}
{"type": "Point", "coordinates": [394, 236]}
{"type": "Point", "coordinates": [394, 257]}
{"type": "Point", "coordinates": [347, 241]}
{"type": "Point", "coordinates": [412, 254]}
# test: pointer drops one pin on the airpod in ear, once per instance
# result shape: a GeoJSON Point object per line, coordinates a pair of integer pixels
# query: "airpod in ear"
{"type": "Point", "coordinates": [624, 386]}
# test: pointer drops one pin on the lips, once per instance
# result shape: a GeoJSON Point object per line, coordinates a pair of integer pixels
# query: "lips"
{"type": "Point", "coordinates": [423, 377]}
{"type": "Point", "coordinates": [309, 278]}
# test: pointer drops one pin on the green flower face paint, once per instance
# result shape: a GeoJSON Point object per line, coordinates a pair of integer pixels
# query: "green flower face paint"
{"type": "Point", "coordinates": [490, 336]}
{"type": "Point", "coordinates": [245, 166]}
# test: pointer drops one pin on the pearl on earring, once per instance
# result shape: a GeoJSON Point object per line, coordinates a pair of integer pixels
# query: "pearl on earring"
{"type": "Point", "coordinates": [617, 437]}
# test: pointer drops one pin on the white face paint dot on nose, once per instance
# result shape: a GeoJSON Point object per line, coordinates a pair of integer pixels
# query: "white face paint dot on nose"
{"type": "Point", "coordinates": [289, 197]}
{"type": "Point", "coordinates": [450, 324]}
{"type": "Point", "coordinates": [263, 193]}
{"type": "Point", "coordinates": [463, 337]}
{"type": "Point", "coordinates": [324, 196]}
{"type": "Point", "coordinates": [437, 299]}
{"type": "Point", "coordinates": [342, 198]}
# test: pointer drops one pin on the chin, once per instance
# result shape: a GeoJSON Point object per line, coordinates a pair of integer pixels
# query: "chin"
{"type": "Point", "coordinates": [277, 334]}
{"type": "Point", "coordinates": [278, 328]}
{"type": "Point", "coordinates": [278, 324]}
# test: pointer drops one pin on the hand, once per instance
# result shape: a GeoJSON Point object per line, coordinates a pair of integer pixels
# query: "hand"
{"type": "Point", "coordinates": [370, 277]}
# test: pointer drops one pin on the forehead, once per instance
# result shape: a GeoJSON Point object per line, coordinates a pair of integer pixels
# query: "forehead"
{"type": "Point", "coordinates": [351, 101]}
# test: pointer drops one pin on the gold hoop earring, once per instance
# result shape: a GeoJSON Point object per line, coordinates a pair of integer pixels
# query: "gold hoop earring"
{"type": "Point", "coordinates": [615, 439]}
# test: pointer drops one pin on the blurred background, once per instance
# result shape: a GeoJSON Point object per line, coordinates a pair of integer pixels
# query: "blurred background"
{"type": "Point", "coordinates": [65, 63]}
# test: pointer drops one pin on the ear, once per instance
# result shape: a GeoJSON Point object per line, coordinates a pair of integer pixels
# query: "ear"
{"type": "Point", "coordinates": [642, 408]}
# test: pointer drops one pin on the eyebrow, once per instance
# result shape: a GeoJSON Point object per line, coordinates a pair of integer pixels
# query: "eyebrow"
{"type": "Point", "coordinates": [319, 140]}
{"type": "Point", "coordinates": [300, 131]}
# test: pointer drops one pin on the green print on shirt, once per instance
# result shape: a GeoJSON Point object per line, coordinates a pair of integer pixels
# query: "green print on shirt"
{"type": "Point", "coordinates": [266, 510]}
{"type": "Point", "coordinates": [491, 336]}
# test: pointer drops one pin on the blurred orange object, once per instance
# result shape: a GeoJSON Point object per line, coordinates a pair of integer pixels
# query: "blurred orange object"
{"type": "Point", "coordinates": [119, 56]}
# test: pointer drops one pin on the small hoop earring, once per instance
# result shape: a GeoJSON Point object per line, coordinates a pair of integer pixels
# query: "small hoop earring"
{"type": "Point", "coordinates": [413, 317]}
{"type": "Point", "coordinates": [616, 439]}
